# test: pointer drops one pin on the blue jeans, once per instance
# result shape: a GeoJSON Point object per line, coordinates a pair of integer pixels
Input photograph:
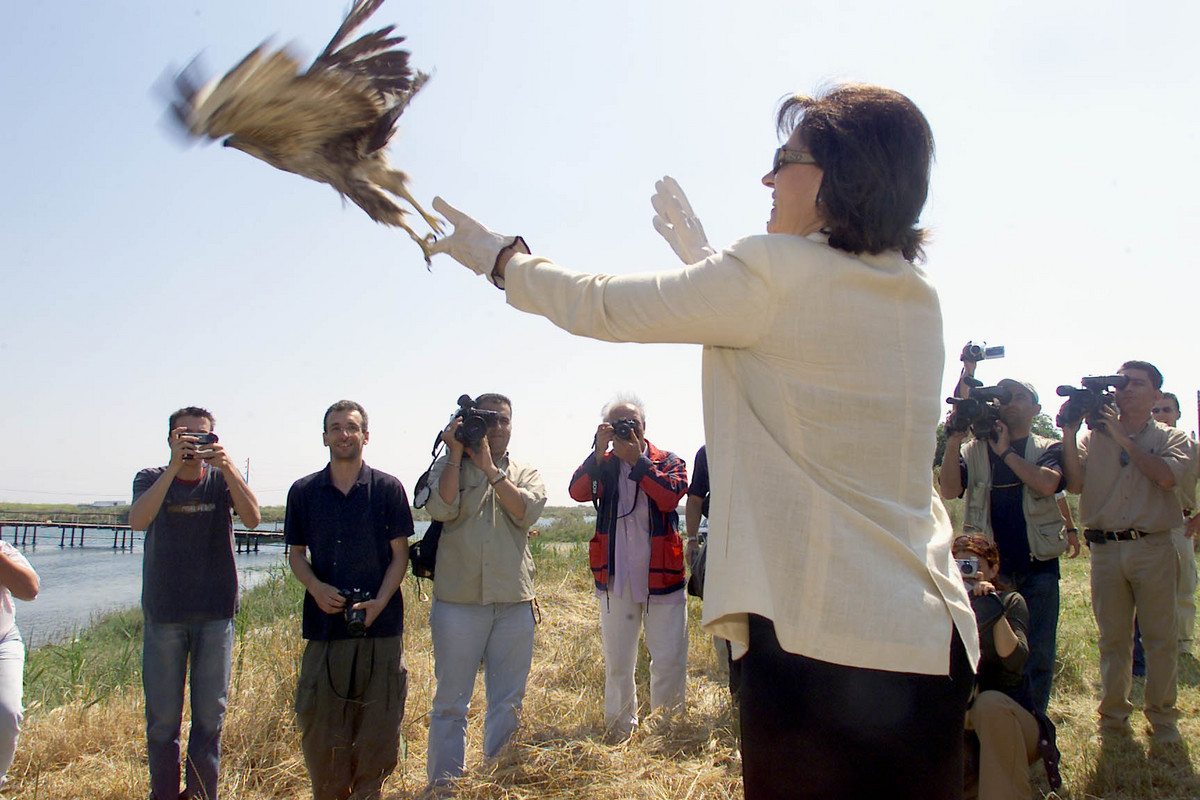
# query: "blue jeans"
{"type": "Point", "coordinates": [168, 649]}
{"type": "Point", "coordinates": [1040, 590]}
{"type": "Point", "coordinates": [12, 669]}
{"type": "Point", "coordinates": [500, 635]}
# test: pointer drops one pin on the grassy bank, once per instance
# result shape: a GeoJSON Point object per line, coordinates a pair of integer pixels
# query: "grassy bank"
{"type": "Point", "coordinates": [84, 731]}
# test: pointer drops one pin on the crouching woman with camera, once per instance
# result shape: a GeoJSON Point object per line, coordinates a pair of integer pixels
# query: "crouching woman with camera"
{"type": "Point", "coordinates": [1003, 732]}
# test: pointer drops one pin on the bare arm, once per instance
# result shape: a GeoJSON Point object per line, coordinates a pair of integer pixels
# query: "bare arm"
{"type": "Point", "coordinates": [327, 597]}
{"type": "Point", "coordinates": [1153, 467]}
{"type": "Point", "coordinates": [1072, 464]}
{"type": "Point", "coordinates": [950, 475]}
{"type": "Point", "coordinates": [146, 507]}
{"type": "Point", "coordinates": [19, 577]}
{"type": "Point", "coordinates": [392, 579]}
{"type": "Point", "coordinates": [244, 501]}
{"type": "Point", "coordinates": [1073, 545]}
{"type": "Point", "coordinates": [1042, 480]}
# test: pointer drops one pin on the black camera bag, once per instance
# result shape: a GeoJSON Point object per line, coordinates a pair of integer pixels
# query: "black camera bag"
{"type": "Point", "coordinates": [422, 554]}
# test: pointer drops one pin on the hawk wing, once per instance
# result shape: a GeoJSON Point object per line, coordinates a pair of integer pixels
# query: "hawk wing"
{"type": "Point", "coordinates": [280, 115]}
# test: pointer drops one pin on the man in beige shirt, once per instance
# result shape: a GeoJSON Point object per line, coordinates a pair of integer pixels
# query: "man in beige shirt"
{"type": "Point", "coordinates": [482, 585]}
{"type": "Point", "coordinates": [1166, 411]}
{"type": "Point", "coordinates": [1125, 470]}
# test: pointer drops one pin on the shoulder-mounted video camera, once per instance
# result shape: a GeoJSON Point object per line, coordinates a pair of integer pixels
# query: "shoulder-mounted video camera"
{"type": "Point", "coordinates": [979, 411]}
{"type": "Point", "coordinates": [1093, 396]}
{"type": "Point", "coordinates": [475, 421]}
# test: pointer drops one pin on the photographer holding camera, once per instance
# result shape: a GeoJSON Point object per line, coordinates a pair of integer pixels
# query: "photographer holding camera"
{"type": "Point", "coordinates": [483, 594]}
{"type": "Point", "coordinates": [189, 597]}
{"type": "Point", "coordinates": [354, 522]}
{"type": "Point", "coordinates": [1125, 470]}
{"type": "Point", "coordinates": [1010, 481]}
{"type": "Point", "coordinates": [1002, 720]}
{"type": "Point", "coordinates": [636, 557]}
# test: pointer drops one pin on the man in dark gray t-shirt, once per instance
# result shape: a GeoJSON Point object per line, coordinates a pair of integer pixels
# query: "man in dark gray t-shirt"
{"type": "Point", "coordinates": [189, 596]}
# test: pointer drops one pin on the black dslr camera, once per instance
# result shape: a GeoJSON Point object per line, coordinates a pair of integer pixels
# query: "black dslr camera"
{"type": "Point", "coordinates": [978, 412]}
{"type": "Point", "coordinates": [1092, 397]}
{"type": "Point", "coordinates": [356, 618]}
{"type": "Point", "coordinates": [475, 421]}
{"type": "Point", "coordinates": [625, 429]}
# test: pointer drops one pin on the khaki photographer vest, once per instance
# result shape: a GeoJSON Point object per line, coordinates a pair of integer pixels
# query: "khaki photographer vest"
{"type": "Point", "coordinates": [1043, 521]}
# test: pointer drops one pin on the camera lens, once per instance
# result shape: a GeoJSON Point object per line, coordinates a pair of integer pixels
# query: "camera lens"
{"type": "Point", "coordinates": [472, 430]}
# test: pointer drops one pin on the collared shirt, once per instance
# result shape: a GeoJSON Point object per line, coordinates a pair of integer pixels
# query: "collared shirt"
{"type": "Point", "coordinates": [1117, 495]}
{"type": "Point", "coordinates": [822, 375]}
{"type": "Point", "coordinates": [631, 561]}
{"type": "Point", "coordinates": [483, 555]}
{"type": "Point", "coordinates": [349, 540]}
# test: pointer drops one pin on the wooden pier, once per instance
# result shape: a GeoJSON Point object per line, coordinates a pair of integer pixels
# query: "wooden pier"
{"type": "Point", "coordinates": [74, 531]}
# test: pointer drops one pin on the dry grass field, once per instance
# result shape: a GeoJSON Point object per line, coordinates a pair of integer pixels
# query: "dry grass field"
{"type": "Point", "coordinates": [92, 745]}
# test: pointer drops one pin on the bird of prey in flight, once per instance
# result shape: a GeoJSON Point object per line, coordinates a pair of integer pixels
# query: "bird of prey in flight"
{"type": "Point", "coordinates": [330, 123]}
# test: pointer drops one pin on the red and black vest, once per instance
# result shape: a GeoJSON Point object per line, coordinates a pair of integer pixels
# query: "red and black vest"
{"type": "Point", "coordinates": [662, 475]}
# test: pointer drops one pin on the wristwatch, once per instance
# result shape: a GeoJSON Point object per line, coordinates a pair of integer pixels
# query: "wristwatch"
{"type": "Point", "coordinates": [500, 475]}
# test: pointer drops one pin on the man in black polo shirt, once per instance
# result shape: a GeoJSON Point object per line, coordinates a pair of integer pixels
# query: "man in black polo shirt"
{"type": "Point", "coordinates": [1009, 484]}
{"type": "Point", "coordinates": [354, 522]}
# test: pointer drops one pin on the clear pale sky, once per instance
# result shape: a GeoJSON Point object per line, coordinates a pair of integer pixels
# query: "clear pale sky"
{"type": "Point", "coordinates": [140, 275]}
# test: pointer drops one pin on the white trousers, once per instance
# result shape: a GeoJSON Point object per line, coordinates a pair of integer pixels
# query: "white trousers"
{"type": "Point", "coordinates": [12, 671]}
{"type": "Point", "coordinates": [621, 622]}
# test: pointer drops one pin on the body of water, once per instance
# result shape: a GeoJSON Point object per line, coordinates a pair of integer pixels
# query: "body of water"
{"type": "Point", "coordinates": [82, 582]}
{"type": "Point", "coordinates": [79, 583]}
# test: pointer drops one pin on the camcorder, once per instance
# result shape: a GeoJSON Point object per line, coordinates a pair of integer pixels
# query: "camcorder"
{"type": "Point", "coordinates": [201, 439]}
{"type": "Point", "coordinates": [475, 421]}
{"type": "Point", "coordinates": [978, 412]}
{"type": "Point", "coordinates": [981, 352]}
{"type": "Point", "coordinates": [625, 429]}
{"type": "Point", "coordinates": [356, 618]}
{"type": "Point", "coordinates": [1092, 397]}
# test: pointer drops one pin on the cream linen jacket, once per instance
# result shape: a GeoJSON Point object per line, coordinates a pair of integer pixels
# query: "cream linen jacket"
{"type": "Point", "coordinates": [821, 380]}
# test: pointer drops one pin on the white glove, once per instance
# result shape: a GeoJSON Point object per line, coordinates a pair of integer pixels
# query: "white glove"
{"type": "Point", "coordinates": [676, 222]}
{"type": "Point", "coordinates": [471, 244]}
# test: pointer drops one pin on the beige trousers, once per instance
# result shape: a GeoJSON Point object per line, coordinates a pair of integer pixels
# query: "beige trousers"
{"type": "Point", "coordinates": [1185, 609]}
{"type": "Point", "coordinates": [1138, 576]}
{"type": "Point", "coordinates": [1008, 736]}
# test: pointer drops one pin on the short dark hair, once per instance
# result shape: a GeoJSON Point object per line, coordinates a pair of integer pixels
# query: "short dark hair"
{"type": "Point", "coordinates": [344, 405]}
{"type": "Point", "coordinates": [1175, 400]}
{"type": "Point", "coordinates": [495, 398]}
{"type": "Point", "coordinates": [191, 411]}
{"type": "Point", "coordinates": [876, 149]}
{"type": "Point", "coordinates": [1156, 377]}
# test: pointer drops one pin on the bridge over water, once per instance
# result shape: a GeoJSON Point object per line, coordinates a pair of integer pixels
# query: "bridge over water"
{"type": "Point", "coordinates": [25, 530]}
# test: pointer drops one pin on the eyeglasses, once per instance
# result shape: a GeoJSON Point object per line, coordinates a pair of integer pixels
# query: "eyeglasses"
{"type": "Point", "coordinates": [786, 156]}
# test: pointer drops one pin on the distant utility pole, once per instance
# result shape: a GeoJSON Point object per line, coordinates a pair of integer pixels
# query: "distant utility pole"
{"type": "Point", "coordinates": [247, 476]}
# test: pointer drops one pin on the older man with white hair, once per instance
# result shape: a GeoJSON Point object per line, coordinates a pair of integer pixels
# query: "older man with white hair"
{"type": "Point", "coordinates": [636, 556]}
